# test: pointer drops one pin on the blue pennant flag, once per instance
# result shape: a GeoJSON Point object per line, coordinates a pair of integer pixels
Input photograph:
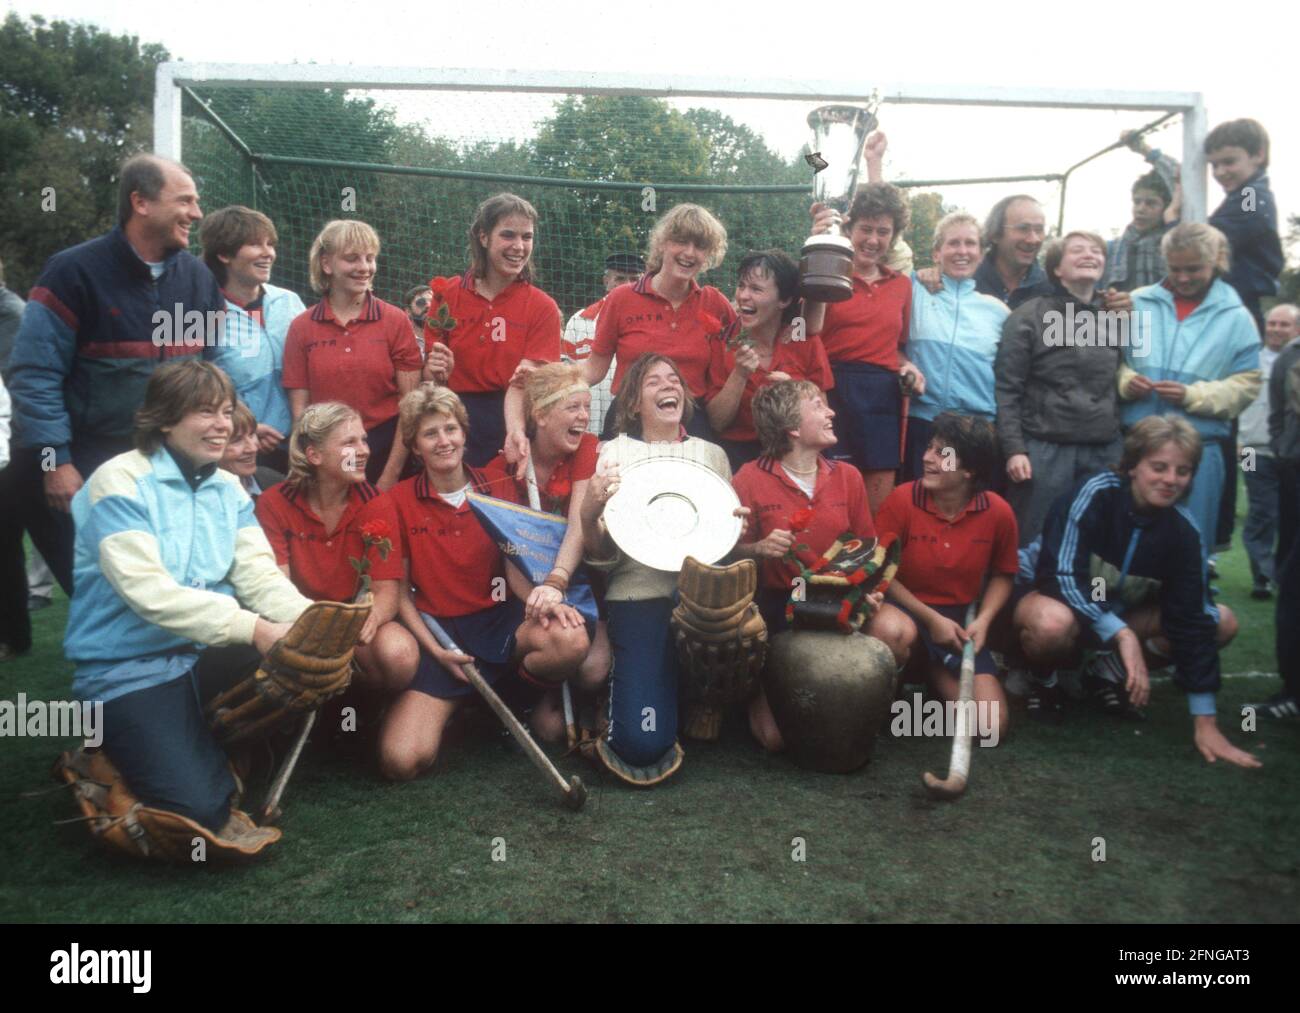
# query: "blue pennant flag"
{"type": "Point", "coordinates": [531, 539]}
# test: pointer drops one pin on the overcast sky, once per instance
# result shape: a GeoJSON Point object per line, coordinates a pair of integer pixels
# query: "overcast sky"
{"type": "Point", "coordinates": [1242, 59]}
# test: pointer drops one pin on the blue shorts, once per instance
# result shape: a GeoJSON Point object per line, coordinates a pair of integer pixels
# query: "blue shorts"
{"type": "Point", "coordinates": [741, 452]}
{"type": "Point", "coordinates": [868, 416]}
{"type": "Point", "coordinates": [952, 662]}
{"type": "Point", "coordinates": [380, 440]}
{"type": "Point", "coordinates": [488, 637]}
{"type": "Point", "coordinates": [487, 426]}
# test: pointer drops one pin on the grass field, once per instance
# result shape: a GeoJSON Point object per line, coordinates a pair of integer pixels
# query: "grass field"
{"type": "Point", "coordinates": [1184, 841]}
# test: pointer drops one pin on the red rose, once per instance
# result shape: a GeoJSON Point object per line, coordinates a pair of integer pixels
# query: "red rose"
{"type": "Point", "coordinates": [375, 531]}
{"type": "Point", "coordinates": [711, 324]}
{"type": "Point", "coordinates": [801, 519]}
{"type": "Point", "coordinates": [558, 488]}
{"type": "Point", "coordinates": [440, 286]}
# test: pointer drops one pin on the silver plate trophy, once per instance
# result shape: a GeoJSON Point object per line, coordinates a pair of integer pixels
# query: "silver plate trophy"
{"type": "Point", "coordinates": [839, 135]}
{"type": "Point", "coordinates": [668, 508]}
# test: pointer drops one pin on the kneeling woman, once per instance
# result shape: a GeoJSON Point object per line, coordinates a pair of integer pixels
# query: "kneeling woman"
{"type": "Point", "coordinates": [460, 578]}
{"type": "Point", "coordinates": [1131, 519]}
{"type": "Point", "coordinates": [326, 514]}
{"type": "Point", "coordinates": [169, 558]}
{"type": "Point", "coordinates": [557, 405]}
{"type": "Point", "coordinates": [794, 494]}
{"type": "Point", "coordinates": [650, 420]}
{"type": "Point", "coordinates": [954, 536]}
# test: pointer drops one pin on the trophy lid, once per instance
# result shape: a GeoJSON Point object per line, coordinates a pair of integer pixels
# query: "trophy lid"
{"type": "Point", "coordinates": [858, 116]}
{"type": "Point", "coordinates": [668, 508]}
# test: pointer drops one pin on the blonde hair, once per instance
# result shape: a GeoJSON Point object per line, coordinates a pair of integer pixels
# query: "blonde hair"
{"type": "Point", "coordinates": [339, 236]}
{"type": "Point", "coordinates": [546, 382]}
{"type": "Point", "coordinates": [312, 430]}
{"type": "Point", "coordinates": [951, 220]}
{"type": "Point", "coordinates": [429, 398]}
{"type": "Point", "coordinates": [777, 409]}
{"type": "Point", "coordinates": [686, 223]}
{"type": "Point", "coordinates": [1206, 240]}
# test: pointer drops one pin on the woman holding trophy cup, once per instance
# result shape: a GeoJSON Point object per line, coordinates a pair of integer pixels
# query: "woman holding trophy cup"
{"type": "Point", "coordinates": [864, 321]}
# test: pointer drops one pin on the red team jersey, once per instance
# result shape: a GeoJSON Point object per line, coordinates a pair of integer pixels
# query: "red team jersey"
{"type": "Point", "coordinates": [356, 364]}
{"type": "Point", "coordinates": [492, 336]}
{"type": "Point", "coordinates": [636, 319]}
{"type": "Point", "coordinates": [945, 562]}
{"type": "Point", "coordinates": [871, 326]}
{"type": "Point", "coordinates": [838, 504]}
{"type": "Point", "coordinates": [800, 360]}
{"type": "Point", "coordinates": [318, 562]}
{"type": "Point", "coordinates": [558, 490]}
{"type": "Point", "coordinates": [454, 563]}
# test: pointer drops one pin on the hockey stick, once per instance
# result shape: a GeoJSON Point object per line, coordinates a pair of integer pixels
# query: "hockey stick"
{"type": "Point", "coordinates": [575, 794]}
{"type": "Point", "coordinates": [270, 812]}
{"type": "Point", "coordinates": [570, 722]}
{"type": "Point", "coordinates": [959, 767]}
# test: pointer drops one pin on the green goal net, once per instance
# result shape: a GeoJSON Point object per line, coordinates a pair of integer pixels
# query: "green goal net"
{"type": "Point", "coordinates": [599, 168]}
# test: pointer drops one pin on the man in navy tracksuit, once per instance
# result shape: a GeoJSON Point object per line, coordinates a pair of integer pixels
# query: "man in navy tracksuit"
{"type": "Point", "coordinates": [1120, 568]}
{"type": "Point", "coordinates": [101, 318]}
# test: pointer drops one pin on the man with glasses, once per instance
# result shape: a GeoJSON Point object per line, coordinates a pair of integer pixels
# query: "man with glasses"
{"type": "Point", "coordinates": [416, 301]}
{"type": "Point", "coordinates": [1014, 231]}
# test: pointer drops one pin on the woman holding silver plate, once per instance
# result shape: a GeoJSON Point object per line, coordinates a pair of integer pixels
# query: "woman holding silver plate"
{"type": "Point", "coordinates": [641, 745]}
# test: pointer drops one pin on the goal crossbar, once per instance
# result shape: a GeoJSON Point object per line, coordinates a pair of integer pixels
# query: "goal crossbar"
{"type": "Point", "coordinates": [172, 78]}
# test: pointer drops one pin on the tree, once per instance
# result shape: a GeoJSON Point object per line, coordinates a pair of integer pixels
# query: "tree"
{"type": "Point", "coordinates": [327, 124]}
{"type": "Point", "coordinates": [609, 138]}
{"type": "Point", "coordinates": [1290, 287]}
{"type": "Point", "coordinates": [426, 218]}
{"type": "Point", "coordinates": [75, 102]}
{"type": "Point", "coordinates": [737, 155]}
{"type": "Point", "coordinates": [927, 209]}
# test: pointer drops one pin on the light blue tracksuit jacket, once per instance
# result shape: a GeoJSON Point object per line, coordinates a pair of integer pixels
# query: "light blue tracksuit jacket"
{"type": "Point", "coordinates": [253, 355]}
{"type": "Point", "coordinates": [953, 341]}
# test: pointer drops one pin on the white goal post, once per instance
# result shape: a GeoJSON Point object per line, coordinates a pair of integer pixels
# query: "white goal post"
{"type": "Point", "coordinates": [173, 77]}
